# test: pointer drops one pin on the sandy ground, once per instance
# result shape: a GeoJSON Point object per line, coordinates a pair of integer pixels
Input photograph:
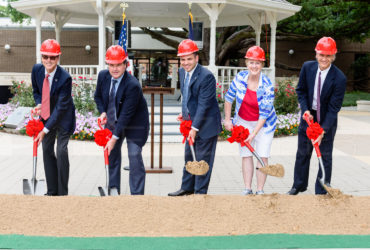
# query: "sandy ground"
{"type": "Point", "coordinates": [195, 215]}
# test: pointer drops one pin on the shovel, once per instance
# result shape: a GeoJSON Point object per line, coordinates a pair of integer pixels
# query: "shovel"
{"type": "Point", "coordinates": [194, 167]}
{"type": "Point", "coordinates": [331, 191]}
{"type": "Point", "coordinates": [273, 170]}
{"type": "Point", "coordinates": [105, 191]}
{"type": "Point", "coordinates": [34, 186]}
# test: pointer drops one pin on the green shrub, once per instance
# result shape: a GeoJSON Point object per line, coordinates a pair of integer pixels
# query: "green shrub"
{"type": "Point", "coordinates": [286, 100]}
{"type": "Point", "coordinates": [82, 93]}
{"type": "Point", "coordinates": [22, 94]}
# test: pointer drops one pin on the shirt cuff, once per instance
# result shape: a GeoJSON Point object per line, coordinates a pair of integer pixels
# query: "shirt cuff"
{"type": "Point", "coordinates": [115, 137]}
{"type": "Point", "coordinates": [195, 128]}
{"type": "Point", "coordinates": [45, 130]}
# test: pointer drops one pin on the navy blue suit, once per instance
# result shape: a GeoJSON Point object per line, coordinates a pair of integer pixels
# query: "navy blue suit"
{"type": "Point", "coordinates": [61, 124]}
{"type": "Point", "coordinates": [132, 123]}
{"type": "Point", "coordinates": [331, 98]}
{"type": "Point", "coordinates": [205, 115]}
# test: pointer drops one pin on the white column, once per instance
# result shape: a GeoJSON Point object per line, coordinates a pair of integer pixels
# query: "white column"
{"type": "Point", "coordinates": [59, 23]}
{"type": "Point", "coordinates": [212, 11]}
{"type": "Point", "coordinates": [38, 20]}
{"type": "Point", "coordinates": [273, 25]}
{"type": "Point", "coordinates": [258, 36]}
{"type": "Point", "coordinates": [102, 42]}
{"type": "Point", "coordinates": [212, 45]}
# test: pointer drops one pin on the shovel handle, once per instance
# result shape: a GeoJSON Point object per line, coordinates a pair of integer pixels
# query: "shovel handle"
{"type": "Point", "coordinates": [191, 145]}
{"type": "Point", "coordinates": [106, 159]}
{"type": "Point", "coordinates": [307, 119]}
{"type": "Point", "coordinates": [249, 146]}
{"type": "Point", "coordinates": [34, 147]}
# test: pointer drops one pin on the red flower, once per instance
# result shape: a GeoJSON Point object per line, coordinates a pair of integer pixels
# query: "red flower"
{"type": "Point", "coordinates": [80, 77]}
{"type": "Point", "coordinates": [102, 136]}
{"type": "Point", "coordinates": [185, 127]}
{"type": "Point", "coordinates": [239, 134]}
{"type": "Point", "coordinates": [34, 127]}
{"type": "Point", "coordinates": [219, 95]}
{"type": "Point", "coordinates": [314, 130]}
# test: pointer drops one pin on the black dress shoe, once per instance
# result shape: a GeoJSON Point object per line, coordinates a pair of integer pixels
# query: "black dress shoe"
{"type": "Point", "coordinates": [180, 192]}
{"type": "Point", "coordinates": [48, 194]}
{"type": "Point", "coordinates": [295, 191]}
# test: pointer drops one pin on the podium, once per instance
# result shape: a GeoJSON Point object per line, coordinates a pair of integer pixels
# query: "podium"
{"type": "Point", "coordinates": [157, 91]}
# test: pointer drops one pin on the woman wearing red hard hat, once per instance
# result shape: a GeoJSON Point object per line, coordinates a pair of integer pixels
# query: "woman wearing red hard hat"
{"type": "Point", "coordinates": [52, 91]}
{"type": "Point", "coordinates": [254, 95]}
{"type": "Point", "coordinates": [320, 91]}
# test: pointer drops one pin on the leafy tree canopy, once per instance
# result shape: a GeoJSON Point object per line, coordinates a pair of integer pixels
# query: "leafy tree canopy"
{"type": "Point", "coordinates": [336, 18]}
{"type": "Point", "coordinates": [15, 16]}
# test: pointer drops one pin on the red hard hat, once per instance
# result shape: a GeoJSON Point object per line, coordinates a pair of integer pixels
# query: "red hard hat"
{"type": "Point", "coordinates": [255, 53]}
{"type": "Point", "coordinates": [187, 47]}
{"type": "Point", "coordinates": [326, 46]}
{"type": "Point", "coordinates": [115, 55]}
{"type": "Point", "coordinates": [50, 47]}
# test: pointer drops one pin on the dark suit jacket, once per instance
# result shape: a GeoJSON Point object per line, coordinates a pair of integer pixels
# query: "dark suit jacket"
{"type": "Point", "coordinates": [131, 108]}
{"type": "Point", "coordinates": [202, 103]}
{"type": "Point", "coordinates": [62, 109]}
{"type": "Point", "coordinates": [331, 97]}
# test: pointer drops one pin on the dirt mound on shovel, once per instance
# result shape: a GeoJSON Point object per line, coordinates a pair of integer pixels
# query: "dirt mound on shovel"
{"type": "Point", "coordinates": [193, 215]}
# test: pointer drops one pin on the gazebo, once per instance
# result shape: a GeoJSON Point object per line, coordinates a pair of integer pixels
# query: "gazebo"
{"type": "Point", "coordinates": [162, 13]}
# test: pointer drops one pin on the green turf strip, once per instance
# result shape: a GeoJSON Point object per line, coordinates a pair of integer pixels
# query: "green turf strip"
{"type": "Point", "coordinates": [257, 241]}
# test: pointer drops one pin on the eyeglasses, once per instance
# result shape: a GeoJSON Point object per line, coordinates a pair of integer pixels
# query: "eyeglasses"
{"type": "Point", "coordinates": [52, 58]}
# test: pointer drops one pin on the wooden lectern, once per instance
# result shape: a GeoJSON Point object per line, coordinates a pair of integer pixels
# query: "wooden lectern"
{"type": "Point", "coordinates": [161, 91]}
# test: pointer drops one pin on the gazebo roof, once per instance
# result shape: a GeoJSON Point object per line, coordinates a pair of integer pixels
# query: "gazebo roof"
{"type": "Point", "coordinates": [159, 13]}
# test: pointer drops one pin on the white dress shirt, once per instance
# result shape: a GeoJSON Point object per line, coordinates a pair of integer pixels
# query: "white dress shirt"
{"type": "Point", "coordinates": [324, 73]}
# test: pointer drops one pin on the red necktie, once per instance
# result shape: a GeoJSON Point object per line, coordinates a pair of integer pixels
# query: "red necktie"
{"type": "Point", "coordinates": [45, 103]}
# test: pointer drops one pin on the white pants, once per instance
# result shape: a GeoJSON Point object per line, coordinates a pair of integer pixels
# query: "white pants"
{"type": "Point", "coordinates": [261, 142]}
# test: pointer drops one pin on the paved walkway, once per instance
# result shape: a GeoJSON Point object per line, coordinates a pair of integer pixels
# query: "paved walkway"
{"type": "Point", "coordinates": [351, 163]}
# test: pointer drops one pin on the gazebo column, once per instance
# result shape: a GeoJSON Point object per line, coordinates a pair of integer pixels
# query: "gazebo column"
{"type": "Point", "coordinates": [255, 22]}
{"type": "Point", "coordinates": [212, 11]}
{"type": "Point", "coordinates": [60, 20]}
{"type": "Point", "coordinates": [38, 20]}
{"type": "Point", "coordinates": [102, 41]}
{"type": "Point", "coordinates": [273, 25]}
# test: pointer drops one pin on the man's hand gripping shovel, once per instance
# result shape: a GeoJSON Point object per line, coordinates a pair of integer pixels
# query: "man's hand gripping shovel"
{"type": "Point", "coordinates": [34, 186]}
{"type": "Point", "coordinates": [331, 191]}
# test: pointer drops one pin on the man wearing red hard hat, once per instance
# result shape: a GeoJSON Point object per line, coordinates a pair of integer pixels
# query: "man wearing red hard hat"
{"type": "Point", "coordinates": [52, 91]}
{"type": "Point", "coordinates": [199, 104]}
{"type": "Point", "coordinates": [320, 91]}
{"type": "Point", "coordinates": [123, 109]}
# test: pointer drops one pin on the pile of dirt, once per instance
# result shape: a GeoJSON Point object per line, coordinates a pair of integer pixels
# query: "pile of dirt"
{"type": "Point", "coordinates": [195, 215]}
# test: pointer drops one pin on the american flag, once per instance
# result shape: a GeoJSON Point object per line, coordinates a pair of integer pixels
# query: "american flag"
{"type": "Point", "coordinates": [123, 36]}
{"type": "Point", "coordinates": [190, 26]}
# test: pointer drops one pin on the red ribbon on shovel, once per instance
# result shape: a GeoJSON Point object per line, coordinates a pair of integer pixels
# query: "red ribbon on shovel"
{"type": "Point", "coordinates": [33, 128]}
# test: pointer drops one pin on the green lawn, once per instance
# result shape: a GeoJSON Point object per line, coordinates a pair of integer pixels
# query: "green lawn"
{"type": "Point", "coordinates": [350, 98]}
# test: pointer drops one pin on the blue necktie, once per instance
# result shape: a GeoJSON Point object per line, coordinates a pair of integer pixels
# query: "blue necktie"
{"type": "Point", "coordinates": [185, 114]}
{"type": "Point", "coordinates": [318, 98]}
{"type": "Point", "coordinates": [111, 112]}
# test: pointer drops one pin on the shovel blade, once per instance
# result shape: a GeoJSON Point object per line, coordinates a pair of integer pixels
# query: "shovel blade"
{"type": "Point", "coordinates": [103, 191]}
{"type": "Point", "coordinates": [34, 187]}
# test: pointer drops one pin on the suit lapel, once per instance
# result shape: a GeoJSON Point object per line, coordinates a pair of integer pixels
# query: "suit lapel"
{"type": "Point", "coordinates": [194, 77]}
{"type": "Point", "coordinates": [106, 87]}
{"type": "Point", "coordinates": [121, 88]}
{"type": "Point", "coordinates": [329, 80]}
{"type": "Point", "coordinates": [55, 80]}
{"type": "Point", "coordinates": [311, 81]}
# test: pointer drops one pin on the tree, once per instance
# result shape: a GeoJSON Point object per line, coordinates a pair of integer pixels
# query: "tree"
{"type": "Point", "coordinates": [15, 16]}
{"type": "Point", "coordinates": [337, 18]}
